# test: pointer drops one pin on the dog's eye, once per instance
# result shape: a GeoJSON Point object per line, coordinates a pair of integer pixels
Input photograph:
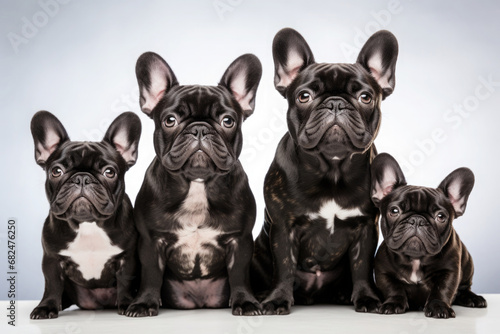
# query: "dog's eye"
{"type": "Point", "coordinates": [171, 121]}
{"type": "Point", "coordinates": [56, 172]}
{"type": "Point", "coordinates": [227, 122]}
{"type": "Point", "coordinates": [109, 173]}
{"type": "Point", "coordinates": [304, 97]}
{"type": "Point", "coordinates": [394, 211]}
{"type": "Point", "coordinates": [365, 98]}
{"type": "Point", "coordinates": [440, 217]}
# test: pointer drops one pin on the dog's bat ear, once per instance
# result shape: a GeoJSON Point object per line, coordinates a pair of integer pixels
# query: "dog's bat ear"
{"type": "Point", "coordinates": [48, 134]}
{"type": "Point", "coordinates": [155, 78]}
{"type": "Point", "coordinates": [124, 134]}
{"type": "Point", "coordinates": [291, 54]}
{"type": "Point", "coordinates": [379, 56]}
{"type": "Point", "coordinates": [242, 78]}
{"type": "Point", "coordinates": [457, 186]}
{"type": "Point", "coordinates": [386, 175]}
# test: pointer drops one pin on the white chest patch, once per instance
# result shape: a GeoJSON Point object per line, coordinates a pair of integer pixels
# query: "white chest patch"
{"type": "Point", "coordinates": [193, 236]}
{"type": "Point", "coordinates": [331, 210]}
{"type": "Point", "coordinates": [194, 209]}
{"type": "Point", "coordinates": [415, 267]}
{"type": "Point", "coordinates": [90, 250]}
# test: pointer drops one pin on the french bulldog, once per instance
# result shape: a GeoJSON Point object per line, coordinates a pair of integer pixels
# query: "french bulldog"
{"type": "Point", "coordinates": [89, 237]}
{"type": "Point", "coordinates": [195, 210]}
{"type": "Point", "coordinates": [422, 262]}
{"type": "Point", "coordinates": [319, 235]}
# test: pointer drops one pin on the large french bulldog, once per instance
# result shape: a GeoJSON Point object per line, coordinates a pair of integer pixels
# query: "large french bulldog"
{"type": "Point", "coordinates": [320, 234]}
{"type": "Point", "coordinates": [195, 211]}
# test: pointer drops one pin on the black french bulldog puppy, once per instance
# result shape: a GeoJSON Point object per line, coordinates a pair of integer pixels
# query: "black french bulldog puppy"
{"type": "Point", "coordinates": [89, 237]}
{"type": "Point", "coordinates": [422, 262]}
{"type": "Point", "coordinates": [195, 211]}
{"type": "Point", "coordinates": [320, 235]}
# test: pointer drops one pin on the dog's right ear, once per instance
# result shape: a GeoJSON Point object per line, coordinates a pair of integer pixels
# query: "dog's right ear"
{"type": "Point", "coordinates": [291, 54]}
{"type": "Point", "coordinates": [124, 134]}
{"type": "Point", "coordinates": [242, 78]}
{"type": "Point", "coordinates": [48, 134]}
{"type": "Point", "coordinates": [457, 187]}
{"type": "Point", "coordinates": [386, 176]}
{"type": "Point", "coordinates": [154, 77]}
{"type": "Point", "coordinates": [379, 56]}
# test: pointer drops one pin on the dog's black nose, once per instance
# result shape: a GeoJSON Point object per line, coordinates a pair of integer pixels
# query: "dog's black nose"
{"type": "Point", "coordinates": [82, 179]}
{"type": "Point", "coordinates": [417, 221]}
{"type": "Point", "coordinates": [199, 131]}
{"type": "Point", "coordinates": [336, 105]}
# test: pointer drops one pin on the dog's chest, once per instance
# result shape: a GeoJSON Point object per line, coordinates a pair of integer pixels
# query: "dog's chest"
{"type": "Point", "coordinates": [415, 274]}
{"type": "Point", "coordinates": [194, 210]}
{"type": "Point", "coordinates": [91, 250]}
{"type": "Point", "coordinates": [331, 210]}
{"type": "Point", "coordinates": [197, 246]}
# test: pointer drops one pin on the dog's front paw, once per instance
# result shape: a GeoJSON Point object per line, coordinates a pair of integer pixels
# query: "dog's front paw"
{"type": "Point", "coordinates": [276, 307]}
{"type": "Point", "coordinates": [142, 309]}
{"type": "Point", "coordinates": [438, 309]}
{"type": "Point", "coordinates": [278, 303]}
{"type": "Point", "coordinates": [367, 304]}
{"type": "Point", "coordinates": [247, 308]}
{"type": "Point", "coordinates": [44, 312]}
{"type": "Point", "coordinates": [469, 299]}
{"type": "Point", "coordinates": [122, 308]}
{"type": "Point", "coordinates": [123, 304]}
{"type": "Point", "coordinates": [392, 308]}
{"type": "Point", "coordinates": [394, 305]}
{"type": "Point", "coordinates": [244, 303]}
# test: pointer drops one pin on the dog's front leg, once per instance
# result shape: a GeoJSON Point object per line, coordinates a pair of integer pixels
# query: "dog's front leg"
{"type": "Point", "coordinates": [50, 305]}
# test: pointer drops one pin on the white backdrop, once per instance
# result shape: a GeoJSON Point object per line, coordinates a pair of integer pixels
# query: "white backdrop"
{"type": "Point", "coordinates": [77, 58]}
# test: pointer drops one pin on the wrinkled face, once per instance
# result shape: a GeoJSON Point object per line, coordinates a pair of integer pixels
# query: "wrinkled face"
{"type": "Point", "coordinates": [198, 131]}
{"type": "Point", "coordinates": [85, 181]}
{"type": "Point", "coordinates": [334, 109]}
{"type": "Point", "coordinates": [416, 221]}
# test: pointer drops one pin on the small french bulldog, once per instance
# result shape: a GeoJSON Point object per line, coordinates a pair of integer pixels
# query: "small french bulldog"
{"type": "Point", "coordinates": [422, 263]}
{"type": "Point", "coordinates": [319, 235]}
{"type": "Point", "coordinates": [195, 211]}
{"type": "Point", "coordinates": [89, 237]}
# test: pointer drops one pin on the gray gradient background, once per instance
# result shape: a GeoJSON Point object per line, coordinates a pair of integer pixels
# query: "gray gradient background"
{"type": "Point", "coordinates": [80, 66]}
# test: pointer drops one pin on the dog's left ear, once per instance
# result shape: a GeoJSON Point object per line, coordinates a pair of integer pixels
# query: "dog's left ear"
{"type": "Point", "coordinates": [386, 175]}
{"type": "Point", "coordinates": [155, 78]}
{"type": "Point", "coordinates": [457, 187]}
{"type": "Point", "coordinates": [48, 134]}
{"type": "Point", "coordinates": [379, 56]}
{"type": "Point", "coordinates": [242, 78]}
{"type": "Point", "coordinates": [291, 55]}
{"type": "Point", "coordinates": [124, 134]}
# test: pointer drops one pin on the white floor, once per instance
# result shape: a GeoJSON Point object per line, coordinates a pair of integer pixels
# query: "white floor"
{"type": "Point", "coordinates": [303, 319]}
